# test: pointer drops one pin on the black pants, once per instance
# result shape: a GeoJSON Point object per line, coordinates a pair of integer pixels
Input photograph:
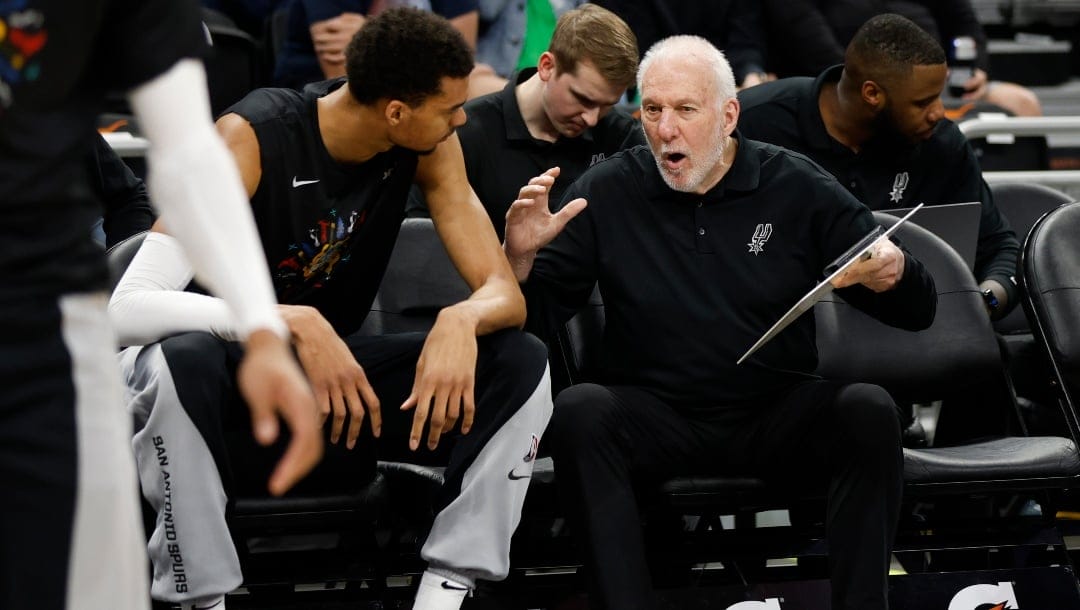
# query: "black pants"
{"type": "Point", "coordinates": [607, 440]}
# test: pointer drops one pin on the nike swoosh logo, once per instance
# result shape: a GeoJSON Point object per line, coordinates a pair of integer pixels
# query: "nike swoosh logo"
{"type": "Point", "coordinates": [446, 585]}
{"type": "Point", "coordinates": [216, 605]}
{"type": "Point", "coordinates": [517, 477]}
{"type": "Point", "coordinates": [296, 183]}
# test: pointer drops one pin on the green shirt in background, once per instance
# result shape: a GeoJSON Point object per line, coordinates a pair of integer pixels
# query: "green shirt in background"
{"type": "Point", "coordinates": [539, 26]}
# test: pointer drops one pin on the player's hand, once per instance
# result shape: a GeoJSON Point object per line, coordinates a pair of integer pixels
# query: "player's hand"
{"type": "Point", "coordinates": [445, 379]}
{"type": "Point", "coordinates": [341, 387]}
{"type": "Point", "coordinates": [881, 272]}
{"type": "Point", "coordinates": [273, 386]}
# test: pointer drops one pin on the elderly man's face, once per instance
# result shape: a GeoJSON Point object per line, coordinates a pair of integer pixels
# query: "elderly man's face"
{"type": "Point", "coordinates": [686, 122]}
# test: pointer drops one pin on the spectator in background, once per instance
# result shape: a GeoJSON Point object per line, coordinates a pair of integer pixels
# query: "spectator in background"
{"type": "Point", "coordinates": [126, 204]}
{"type": "Point", "coordinates": [319, 30]}
{"type": "Point", "coordinates": [559, 112]}
{"type": "Point", "coordinates": [807, 36]}
{"type": "Point", "coordinates": [877, 123]}
{"type": "Point", "coordinates": [733, 26]}
{"type": "Point", "coordinates": [513, 34]}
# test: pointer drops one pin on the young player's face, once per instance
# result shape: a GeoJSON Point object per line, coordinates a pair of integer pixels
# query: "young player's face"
{"type": "Point", "coordinates": [574, 102]}
{"type": "Point", "coordinates": [913, 106]}
{"type": "Point", "coordinates": [435, 120]}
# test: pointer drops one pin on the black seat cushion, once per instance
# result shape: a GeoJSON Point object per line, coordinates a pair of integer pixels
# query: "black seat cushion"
{"type": "Point", "coordinates": [1006, 458]}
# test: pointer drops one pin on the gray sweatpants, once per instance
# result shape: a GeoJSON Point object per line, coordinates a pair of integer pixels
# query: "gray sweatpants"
{"type": "Point", "coordinates": [194, 450]}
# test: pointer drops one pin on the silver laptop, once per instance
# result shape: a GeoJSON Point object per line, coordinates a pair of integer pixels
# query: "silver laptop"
{"type": "Point", "coordinates": [956, 223]}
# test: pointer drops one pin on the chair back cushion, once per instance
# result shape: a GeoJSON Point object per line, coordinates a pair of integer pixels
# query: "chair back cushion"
{"type": "Point", "coordinates": [959, 349]}
{"type": "Point", "coordinates": [1051, 277]}
{"type": "Point", "coordinates": [419, 281]}
{"type": "Point", "coordinates": [1022, 204]}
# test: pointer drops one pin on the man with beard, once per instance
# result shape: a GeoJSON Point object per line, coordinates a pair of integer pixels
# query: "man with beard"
{"type": "Point", "coordinates": [877, 123]}
{"type": "Point", "coordinates": [698, 243]}
{"type": "Point", "coordinates": [328, 171]}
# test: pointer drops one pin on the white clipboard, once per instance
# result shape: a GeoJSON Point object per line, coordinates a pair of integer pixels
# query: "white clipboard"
{"type": "Point", "coordinates": [859, 252]}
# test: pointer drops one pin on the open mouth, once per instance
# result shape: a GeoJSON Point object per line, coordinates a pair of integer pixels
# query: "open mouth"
{"type": "Point", "coordinates": [673, 160]}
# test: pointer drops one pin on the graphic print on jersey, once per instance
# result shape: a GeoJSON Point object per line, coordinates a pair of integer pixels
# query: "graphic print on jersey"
{"type": "Point", "coordinates": [311, 262]}
{"type": "Point", "coordinates": [22, 36]}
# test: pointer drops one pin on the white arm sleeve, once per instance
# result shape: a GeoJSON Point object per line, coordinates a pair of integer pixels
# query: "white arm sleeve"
{"type": "Point", "coordinates": [149, 303]}
{"type": "Point", "coordinates": [194, 182]}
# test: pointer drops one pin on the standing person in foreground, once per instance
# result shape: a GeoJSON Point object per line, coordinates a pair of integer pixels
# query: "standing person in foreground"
{"type": "Point", "coordinates": [877, 123]}
{"type": "Point", "coordinates": [328, 172]}
{"type": "Point", "coordinates": [70, 533]}
{"type": "Point", "coordinates": [699, 242]}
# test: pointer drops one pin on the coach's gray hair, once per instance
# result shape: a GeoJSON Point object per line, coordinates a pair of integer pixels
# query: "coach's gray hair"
{"type": "Point", "coordinates": [695, 46]}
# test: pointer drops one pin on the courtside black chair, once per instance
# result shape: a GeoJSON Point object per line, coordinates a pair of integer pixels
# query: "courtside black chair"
{"type": "Point", "coordinates": [1023, 204]}
{"type": "Point", "coordinates": [120, 254]}
{"type": "Point", "coordinates": [1050, 273]}
{"type": "Point", "coordinates": [299, 538]}
{"type": "Point", "coordinates": [958, 354]}
{"type": "Point", "coordinates": [419, 281]}
{"type": "Point", "coordinates": [233, 66]}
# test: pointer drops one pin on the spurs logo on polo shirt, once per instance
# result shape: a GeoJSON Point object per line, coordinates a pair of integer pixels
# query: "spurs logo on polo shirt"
{"type": "Point", "coordinates": [761, 235]}
{"type": "Point", "coordinates": [899, 183]}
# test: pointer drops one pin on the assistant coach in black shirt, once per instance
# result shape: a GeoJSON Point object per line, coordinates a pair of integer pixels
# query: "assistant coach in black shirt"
{"type": "Point", "coordinates": [559, 114]}
{"type": "Point", "coordinates": [699, 242]}
{"type": "Point", "coordinates": [877, 123]}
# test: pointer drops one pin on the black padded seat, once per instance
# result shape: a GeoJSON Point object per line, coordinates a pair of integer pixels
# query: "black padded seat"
{"type": "Point", "coordinates": [420, 280]}
{"type": "Point", "coordinates": [1010, 458]}
{"type": "Point", "coordinates": [365, 504]}
{"type": "Point", "coordinates": [689, 492]}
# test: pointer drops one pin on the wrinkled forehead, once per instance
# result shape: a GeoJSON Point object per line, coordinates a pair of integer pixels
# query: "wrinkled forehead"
{"type": "Point", "coordinates": [678, 76]}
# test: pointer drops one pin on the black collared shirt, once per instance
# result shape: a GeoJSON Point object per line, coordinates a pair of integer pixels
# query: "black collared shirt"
{"type": "Point", "coordinates": [690, 282]}
{"type": "Point", "coordinates": [885, 174]}
{"type": "Point", "coordinates": [501, 156]}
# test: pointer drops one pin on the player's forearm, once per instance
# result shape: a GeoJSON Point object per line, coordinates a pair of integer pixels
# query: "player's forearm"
{"type": "Point", "coordinates": [195, 183]}
{"type": "Point", "coordinates": [496, 305]}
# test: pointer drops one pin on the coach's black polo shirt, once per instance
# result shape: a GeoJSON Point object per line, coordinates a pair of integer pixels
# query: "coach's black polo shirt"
{"type": "Point", "coordinates": [690, 282]}
{"type": "Point", "coordinates": [501, 156]}
{"type": "Point", "coordinates": [886, 173]}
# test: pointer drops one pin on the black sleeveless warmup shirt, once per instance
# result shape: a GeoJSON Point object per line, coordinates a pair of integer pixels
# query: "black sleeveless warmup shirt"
{"type": "Point", "coordinates": [327, 228]}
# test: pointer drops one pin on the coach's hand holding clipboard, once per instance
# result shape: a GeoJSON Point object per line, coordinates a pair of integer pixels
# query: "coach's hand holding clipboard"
{"type": "Point", "coordinates": [874, 262]}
